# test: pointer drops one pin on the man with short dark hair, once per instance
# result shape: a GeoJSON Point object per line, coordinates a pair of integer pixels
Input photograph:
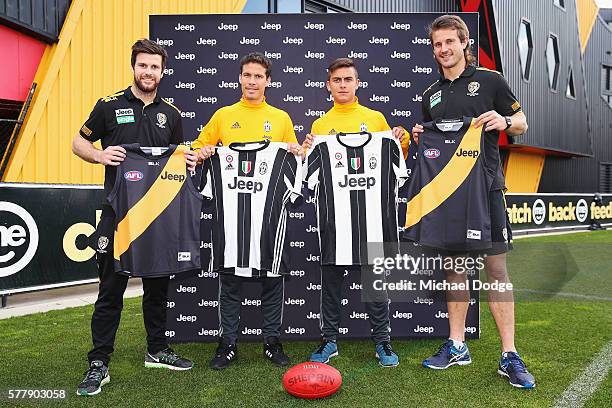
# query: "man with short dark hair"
{"type": "Point", "coordinates": [135, 115]}
{"type": "Point", "coordinates": [349, 116]}
{"type": "Point", "coordinates": [250, 119]}
{"type": "Point", "coordinates": [465, 90]}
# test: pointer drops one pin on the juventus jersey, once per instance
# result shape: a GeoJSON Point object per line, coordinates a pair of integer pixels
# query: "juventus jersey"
{"type": "Point", "coordinates": [448, 204]}
{"type": "Point", "coordinates": [355, 178]}
{"type": "Point", "coordinates": [157, 230]}
{"type": "Point", "coordinates": [250, 185]}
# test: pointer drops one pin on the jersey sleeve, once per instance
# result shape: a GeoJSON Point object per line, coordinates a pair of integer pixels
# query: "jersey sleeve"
{"type": "Point", "coordinates": [293, 177]}
{"type": "Point", "coordinates": [210, 134]}
{"type": "Point", "coordinates": [289, 133]}
{"type": "Point", "coordinates": [505, 102]}
{"type": "Point", "coordinates": [94, 127]}
{"type": "Point", "coordinates": [206, 187]}
{"type": "Point", "coordinates": [311, 167]}
{"type": "Point", "coordinates": [399, 164]}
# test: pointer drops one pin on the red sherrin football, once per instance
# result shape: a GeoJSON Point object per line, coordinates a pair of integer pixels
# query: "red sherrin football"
{"type": "Point", "coordinates": [312, 380]}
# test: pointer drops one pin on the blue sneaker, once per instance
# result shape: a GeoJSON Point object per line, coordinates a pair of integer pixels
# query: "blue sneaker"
{"type": "Point", "coordinates": [448, 356]}
{"type": "Point", "coordinates": [512, 366]}
{"type": "Point", "coordinates": [385, 354]}
{"type": "Point", "coordinates": [326, 350]}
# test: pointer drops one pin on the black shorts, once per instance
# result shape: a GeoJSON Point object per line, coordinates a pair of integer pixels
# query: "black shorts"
{"type": "Point", "coordinates": [501, 231]}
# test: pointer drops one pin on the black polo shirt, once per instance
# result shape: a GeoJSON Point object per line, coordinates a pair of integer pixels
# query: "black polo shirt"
{"type": "Point", "coordinates": [122, 118]}
{"type": "Point", "coordinates": [474, 92]}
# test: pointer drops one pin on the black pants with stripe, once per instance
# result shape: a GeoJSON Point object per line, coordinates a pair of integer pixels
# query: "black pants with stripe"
{"type": "Point", "coordinates": [107, 310]}
{"type": "Point", "coordinates": [332, 278]}
{"type": "Point", "coordinates": [230, 299]}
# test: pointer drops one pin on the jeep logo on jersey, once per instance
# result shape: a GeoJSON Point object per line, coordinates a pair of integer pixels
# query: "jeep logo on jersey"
{"type": "Point", "coordinates": [173, 177]}
{"type": "Point", "coordinates": [249, 186]}
{"type": "Point", "coordinates": [355, 163]}
{"type": "Point", "coordinates": [357, 182]}
{"type": "Point", "coordinates": [246, 166]}
{"type": "Point", "coordinates": [267, 126]}
{"type": "Point", "coordinates": [431, 153]}
{"type": "Point", "coordinates": [18, 238]}
{"type": "Point", "coordinates": [133, 175]}
{"type": "Point", "coordinates": [467, 153]}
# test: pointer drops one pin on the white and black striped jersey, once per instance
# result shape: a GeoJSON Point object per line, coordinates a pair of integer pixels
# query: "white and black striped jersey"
{"type": "Point", "coordinates": [355, 178]}
{"type": "Point", "coordinates": [249, 185]}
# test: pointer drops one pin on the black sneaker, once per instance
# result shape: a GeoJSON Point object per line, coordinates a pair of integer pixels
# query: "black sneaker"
{"type": "Point", "coordinates": [167, 358]}
{"type": "Point", "coordinates": [224, 355]}
{"type": "Point", "coordinates": [273, 351]}
{"type": "Point", "coordinates": [95, 377]}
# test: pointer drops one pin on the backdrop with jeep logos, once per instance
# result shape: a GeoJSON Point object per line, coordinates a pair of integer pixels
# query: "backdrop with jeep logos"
{"type": "Point", "coordinates": [392, 52]}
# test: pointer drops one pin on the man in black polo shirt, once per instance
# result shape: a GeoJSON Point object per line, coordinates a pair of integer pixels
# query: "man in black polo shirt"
{"type": "Point", "coordinates": [464, 90]}
{"type": "Point", "coordinates": [135, 115]}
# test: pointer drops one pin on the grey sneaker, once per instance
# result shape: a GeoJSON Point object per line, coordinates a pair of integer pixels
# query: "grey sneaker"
{"type": "Point", "coordinates": [167, 358]}
{"type": "Point", "coordinates": [95, 377]}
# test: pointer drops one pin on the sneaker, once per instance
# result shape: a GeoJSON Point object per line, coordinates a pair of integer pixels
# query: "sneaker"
{"type": "Point", "coordinates": [326, 350]}
{"type": "Point", "coordinates": [448, 356]}
{"type": "Point", "coordinates": [95, 377]}
{"type": "Point", "coordinates": [167, 358]}
{"type": "Point", "coordinates": [385, 354]}
{"type": "Point", "coordinates": [512, 366]}
{"type": "Point", "coordinates": [224, 355]}
{"type": "Point", "coordinates": [273, 351]}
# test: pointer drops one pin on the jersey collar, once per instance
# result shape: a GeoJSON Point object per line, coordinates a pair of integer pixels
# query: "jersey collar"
{"type": "Point", "coordinates": [244, 103]}
{"type": "Point", "coordinates": [467, 72]}
{"type": "Point", "coordinates": [347, 108]}
{"type": "Point", "coordinates": [131, 97]}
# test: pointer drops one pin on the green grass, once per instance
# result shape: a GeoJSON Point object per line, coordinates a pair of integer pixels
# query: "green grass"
{"type": "Point", "coordinates": [557, 337]}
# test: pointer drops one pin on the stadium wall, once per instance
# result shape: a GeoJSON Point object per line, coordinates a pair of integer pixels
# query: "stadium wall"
{"type": "Point", "coordinates": [583, 174]}
{"type": "Point", "coordinates": [93, 54]}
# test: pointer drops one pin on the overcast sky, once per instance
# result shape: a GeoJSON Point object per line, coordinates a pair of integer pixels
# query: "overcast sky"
{"type": "Point", "coordinates": [604, 3]}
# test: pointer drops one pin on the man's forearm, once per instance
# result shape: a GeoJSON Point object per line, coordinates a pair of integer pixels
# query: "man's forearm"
{"type": "Point", "coordinates": [519, 125]}
{"type": "Point", "coordinates": [85, 149]}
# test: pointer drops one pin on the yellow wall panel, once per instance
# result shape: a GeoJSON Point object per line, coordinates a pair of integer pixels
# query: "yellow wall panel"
{"type": "Point", "coordinates": [587, 11]}
{"type": "Point", "coordinates": [523, 171]}
{"type": "Point", "coordinates": [90, 60]}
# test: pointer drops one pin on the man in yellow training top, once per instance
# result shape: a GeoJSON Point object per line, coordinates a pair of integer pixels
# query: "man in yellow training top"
{"type": "Point", "coordinates": [348, 116]}
{"type": "Point", "coordinates": [248, 120]}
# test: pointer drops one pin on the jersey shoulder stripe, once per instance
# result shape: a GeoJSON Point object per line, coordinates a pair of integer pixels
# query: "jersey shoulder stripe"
{"type": "Point", "coordinates": [489, 70]}
{"type": "Point", "coordinates": [430, 86]}
{"type": "Point", "coordinates": [112, 97]}
{"type": "Point", "coordinates": [168, 102]}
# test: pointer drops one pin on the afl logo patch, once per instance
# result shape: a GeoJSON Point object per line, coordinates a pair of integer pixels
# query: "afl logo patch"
{"type": "Point", "coordinates": [133, 175]}
{"type": "Point", "coordinates": [431, 153]}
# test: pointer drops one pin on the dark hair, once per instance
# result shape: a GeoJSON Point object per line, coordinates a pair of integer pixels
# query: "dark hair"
{"type": "Point", "coordinates": [341, 63]}
{"type": "Point", "coordinates": [257, 58]}
{"type": "Point", "coordinates": [146, 46]}
{"type": "Point", "coordinates": [452, 22]}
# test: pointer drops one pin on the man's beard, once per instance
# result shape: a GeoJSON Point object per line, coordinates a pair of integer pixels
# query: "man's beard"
{"type": "Point", "coordinates": [143, 87]}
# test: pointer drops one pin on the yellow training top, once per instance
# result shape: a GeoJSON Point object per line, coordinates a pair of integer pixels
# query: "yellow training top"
{"type": "Point", "coordinates": [353, 118]}
{"type": "Point", "coordinates": [246, 122]}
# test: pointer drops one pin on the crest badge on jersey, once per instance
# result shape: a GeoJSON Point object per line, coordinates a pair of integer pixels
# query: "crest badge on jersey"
{"type": "Point", "coordinates": [246, 166]}
{"type": "Point", "coordinates": [473, 88]}
{"type": "Point", "coordinates": [267, 126]}
{"type": "Point", "coordinates": [263, 168]}
{"type": "Point", "coordinates": [229, 160]}
{"type": "Point", "coordinates": [102, 243]}
{"type": "Point", "coordinates": [363, 127]}
{"type": "Point", "coordinates": [161, 120]}
{"type": "Point", "coordinates": [355, 163]}
{"type": "Point", "coordinates": [372, 163]}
